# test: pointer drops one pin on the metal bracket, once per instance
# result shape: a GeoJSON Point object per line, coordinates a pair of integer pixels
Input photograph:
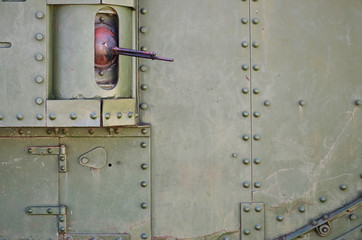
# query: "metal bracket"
{"type": "Point", "coordinates": [252, 221]}
{"type": "Point", "coordinates": [322, 224]}
{"type": "Point", "coordinates": [60, 211]}
{"type": "Point", "coordinates": [52, 150]}
{"type": "Point", "coordinates": [99, 236]}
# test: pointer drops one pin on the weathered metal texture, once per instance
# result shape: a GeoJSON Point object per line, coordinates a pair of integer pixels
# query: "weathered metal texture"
{"type": "Point", "coordinates": [112, 199]}
{"type": "Point", "coordinates": [307, 65]}
{"type": "Point", "coordinates": [23, 66]}
{"type": "Point", "coordinates": [195, 106]}
{"type": "Point", "coordinates": [74, 53]}
{"type": "Point", "coordinates": [27, 180]}
{"type": "Point", "coordinates": [73, 113]}
{"type": "Point", "coordinates": [127, 3]}
{"type": "Point", "coordinates": [119, 112]}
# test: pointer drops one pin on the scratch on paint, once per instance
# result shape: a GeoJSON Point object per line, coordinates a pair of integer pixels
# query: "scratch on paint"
{"type": "Point", "coordinates": [247, 78]}
{"type": "Point", "coordinates": [275, 173]}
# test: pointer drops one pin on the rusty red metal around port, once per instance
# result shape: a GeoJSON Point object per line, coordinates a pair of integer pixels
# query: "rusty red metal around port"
{"type": "Point", "coordinates": [104, 42]}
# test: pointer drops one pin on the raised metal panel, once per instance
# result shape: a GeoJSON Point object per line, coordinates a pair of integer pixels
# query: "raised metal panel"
{"type": "Point", "coordinates": [108, 199]}
{"type": "Point", "coordinates": [309, 69]}
{"type": "Point", "coordinates": [195, 106]}
{"type": "Point", "coordinates": [56, 2]}
{"type": "Point", "coordinates": [73, 113]}
{"type": "Point", "coordinates": [252, 221]}
{"type": "Point", "coordinates": [127, 3]}
{"type": "Point", "coordinates": [20, 22]}
{"type": "Point", "coordinates": [27, 180]}
{"type": "Point", "coordinates": [74, 56]}
{"type": "Point", "coordinates": [119, 112]}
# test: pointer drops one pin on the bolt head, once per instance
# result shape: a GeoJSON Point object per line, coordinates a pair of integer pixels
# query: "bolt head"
{"type": "Point", "coordinates": [256, 67]}
{"type": "Point", "coordinates": [257, 208]}
{"type": "Point", "coordinates": [257, 185]}
{"type": "Point", "coordinates": [143, 29]}
{"type": "Point", "coordinates": [352, 217]}
{"type": "Point", "coordinates": [143, 48]}
{"type": "Point", "coordinates": [256, 91]}
{"type": "Point", "coordinates": [245, 67]}
{"type": "Point", "coordinates": [144, 205]}
{"type": "Point", "coordinates": [39, 57]}
{"type": "Point", "coordinates": [358, 102]}
{"type": "Point", "coordinates": [39, 15]}
{"type": "Point", "coordinates": [144, 236]}
{"type": "Point", "coordinates": [257, 137]}
{"type": "Point", "coordinates": [39, 101]}
{"type": "Point", "coordinates": [301, 209]}
{"type": "Point", "coordinates": [246, 161]}
{"type": "Point", "coordinates": [280, 218]}
{"type": "Point", "coordinates": [101, 73]}
{"type": "Point", "coordinates": [143, 68]}
{"type": "Point", "coordinates": [52, 116]}
{"type": "Point", "coordinates": [61, 158]}
{"type": "Point", "coordinates": [21, 131]}
{"type": "Point", "coordinates": [144, 87]}
{"type": "Point", "coordinates": [49, 211]}
{"type": "Point", "coordinates": [30, 150]}
{"type": "Point", "coordinates": [73, 116]}
{"type": "Point", "coordinates": [39, 116]}
{"type": "Point", "coordinates": [143, 10]}
{"type": "Point", "coordinates": [257, 161]}
{"type": "Point", "coordinates": [84, 160]}
{"type": "Point", "coordinates": [245, 114]}
{"type": "Point", "coordinates": [143, 144]}
{"type": "Point", "coordinates": [39, 79]}
{"type": "Point", "coordinates": [144, 131]}
{"type": "Point", "coordinates": [302, 103]}
{"type": "Point", "coordinates": [119, 115]}
{"type": "Point", "coordinates": [258, 227]}
{"type": "Point", "coordinates": [144, 184]}
{"type": "Point", "coordinates": [62, 229]}
{"type": "Point", "coordinates": [246, 209]}
{"type": "Point", "coordinates": [245, 90]}
{"type": "Point", "coordinates": [246, 184]}
{"type": "Point", "coordinates": [61, 219]}
{"type": "Point", "coordinates": [20, 116]}
{"type": "Point", "coordinates": [245, 137]}
{"type": "Point", "coordinates": [39, 36]}
{"type": "Point", "coordinates": [314, 222]}
{"type": "Point", "coordinates": [255, 44]}
{"type": "Point", "coordinates": [257, 114]}
{"type": "Point", "coordinates": [343, 187]}
{"type": "Point", "coordinates": [62, 168]}
{"type": "Point", "coordinates": [267, 103]}
{"type": "Point", "coordinates": [255, 20]}
{"type": "Point", "coordinates": [144, 166]}
{"type": "Point", "coordinates": [325, 216]}
{"type": "Point", "coordinates": [246, 231]}
{"type": "Point", "coordinates": [29, 210]}
{"type": "Point", "coordinates": [130, 114]}
{"type": "Point", "coordinates": [244, 44]}
{"type": "Point", "coordinates": [93, 115]}
{"type": "Point", "coordinates": [143, 106]}
{"type": "Point", "coordinates": [234, 155]}
{"type": "Point", "coordinates": [323, 199]}
{"type": "Point", "coordinates": [244, 20]}
{"type": "Point", "coordinates": [91, 131]}
{"type": "Point", "coordinates": [107, 115]}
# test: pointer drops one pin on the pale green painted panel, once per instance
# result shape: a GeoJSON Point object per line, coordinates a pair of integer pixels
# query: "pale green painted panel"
{"type": "Point", "coordinates": [27, 180]}
{"type": "Point", "coordinates": [108, 200]}
{"type": "Point", "coordinates": [119, 112]}
{"type": "Point", "coordinates": [195, 107]}
{"type": "Point", "coordinates": [311, 51]}
{"type": "Point", "coordinates": [19, 25]}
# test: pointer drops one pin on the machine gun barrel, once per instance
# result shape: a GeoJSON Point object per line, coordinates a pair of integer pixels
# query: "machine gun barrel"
{"type": "Point", "coordinates": [140, 54]}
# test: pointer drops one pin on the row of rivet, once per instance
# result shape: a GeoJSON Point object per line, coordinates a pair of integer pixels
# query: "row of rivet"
{"type": "Point", "coordinates": [91, 131]}
{"type": "Point", "coordinates": [257, 227]}
{"type": "Point", "coordinates": [143, 106]}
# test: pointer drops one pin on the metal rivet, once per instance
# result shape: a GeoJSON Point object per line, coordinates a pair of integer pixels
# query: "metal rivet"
{"type": "Point", "coordinates": [322, 199]}
{"type": "Point", "coordinates": [245, 114]}
{"type": "Point", "coordinates": [2, 116]}
{"type": "Point", "coordinates": [64, 130]}
{"type": "Point", "coordinates": [118, 130]}
{"type": "Point", "coordinates": [143, 10]}
{"type": "Point", "coordinates": [21, 131]}
{"type": "Point", "coordinates": [29, 210]}
{"type": "Point", "coordinates": [30, 150]}
{"type": "Point", "coordinates": [39, 57]}
{"type": "Point", "coordinates": [255, 20]}
{"type": "Point", "coordinates": [245, 67]}
{"type": "Point", "coordinates": [49, 131]}
{"type": "Point", "coordinates": [280, 218]}
{"type": "Point", "coordinates": [144, 184]}
{"type": "Point", "coordinates": [61, 219]}
{"type": "Point", "coordinates": [144, 205]}
{"type": "Point", "coordinates": [101, 73]}
{"type": "Point", "coordinates": [130, 114]}
{"type": "Point", "coordinates": [301, 209]}
{"type": "Point", "coordinates": [84, 160]}
{"type": "Point", "coordinates": [246, 231]}
{"type": "Point", "coordinates": [244, 44]}
{"type": "Point", "coordinates": [325, 217]}
{"type": "Point", "coordinates": [102, 19]}
{"type": "Point", "coordinates": [61, 158]}
{"type": "Point", "coordinates": [49, 211]}
{"type": "Point", "coordinates": [314, 222]}
{"type": "Point", "coordinates": [267, 103]}
{"type": "Point", "coordinates": [107, 115]}
{"type": "Point", "coordinates": [234, 155]}
{"type": "Point", "coordinates": [343, 187]}
{"type": "Point", "coordinates": [49, 150]}
{"type": "Point", "coordinates": [52, 116]}
{"type": "Point", "coordinates": [144, 131]}
{"type": "Point", "coordinates": [256, 67]}
{"type": "Point", "coordinates": [39, 79]}
{"type": "Point", "coordinates": [257, 114]}
{"type": "Point", "coordinates": [62, 229]}
{"type": "Point", "coordinates": [143, 68]}
{"type": "Point", "coordinates": [39, 15]}
{"type": "Point", "coordinates": [245, 90]}
{"type": "Point", "coordinates": [246, 161]}
{"type": "Point", "coordinates": [143, 48]}
{"type": "Point", "coordinates": [39, 101]}
{"type": "Point", "coordinates": [257, 227]}
{"type": "Point", "coordinates": [143, 29]}
{"type": "Point", "coordinates": [255, 44]}
{"type": "Point", "coordinates": [257, 137]}
{"type": "Point", "coordinates": [20, 116]}
{"type": "Point", "coordinates": [255, 0]}
{"type": "Point", "coordinates": [358, 102]}
{"type": "Point", "coordinates": [257, 208]}
{"type": "Point", "coordinates": [226, 238]}
{"type": "Point", "coordinates": [245, 137]}
{"type": "Point", "coordinates": [143, 106]}
{"type": "Point", "coordinates": [244, 20]}
{"type": "Point", "coordinates": [144, 166]}
{"type": "Point", "coordinates": [246, 209]}
{"type": "Point", "coordinates": [246, 184]}
{"type": "Point", "coordinates": [136, 114]}
{"type": "Point", "coordinates": [257, 161]}
{"type": "Point", "coordinates": [352, 217]}
{"type": "Point", "coordinates": [257, 185]}
{"type": "Point", "coordinates": [144, 236]}
{"type": "Point", "coordinates": [39, 116]}
{"type": "Point", "coordinates": [256, 91]}
{"type": "Point", "coordinates": [73, 116]}
{"type": "Point", "coordinates": [302, 103]}
{"type": "Point", "coordinates": [39, 36]}
{"type": "Point", "coordinates": [91, 131]}
{"type": "Point", "coordinates": [62, 168]}
{"type": "Point", "coordinates": [93, 115]}
{"type": "Point", "coordinates": [144, 144]}
{"type": "Point", "coordinates": [144, 87]}
{"type": "Point", "coordinates": [119, 115]}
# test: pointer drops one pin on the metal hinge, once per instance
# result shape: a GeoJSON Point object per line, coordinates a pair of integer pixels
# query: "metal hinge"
{"type": "Point", "coordinates": [60, 211]}
{"type": "Point", "coordinates": [52, 150]}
